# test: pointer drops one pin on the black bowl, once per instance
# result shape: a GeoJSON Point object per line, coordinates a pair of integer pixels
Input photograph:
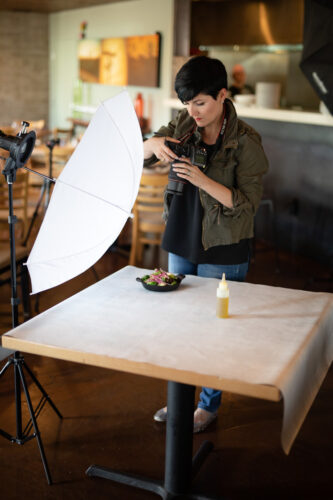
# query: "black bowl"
{"type": "Point", "coordinates": [166, 288]}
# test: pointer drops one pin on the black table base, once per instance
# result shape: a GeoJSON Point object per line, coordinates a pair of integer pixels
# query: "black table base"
{"type": "Point", "coordinates": [179, 466]}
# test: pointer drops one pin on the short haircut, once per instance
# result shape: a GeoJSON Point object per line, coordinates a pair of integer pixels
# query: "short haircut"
{"type": "Point", "coordinates": [200, 75]}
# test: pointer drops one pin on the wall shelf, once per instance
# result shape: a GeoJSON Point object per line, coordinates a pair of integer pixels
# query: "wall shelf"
{"type": "Point", "coordinates": [284, 115]}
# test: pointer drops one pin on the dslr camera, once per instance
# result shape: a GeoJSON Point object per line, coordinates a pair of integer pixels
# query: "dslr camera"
{"type": "Point", "coordinates": [197, 156]}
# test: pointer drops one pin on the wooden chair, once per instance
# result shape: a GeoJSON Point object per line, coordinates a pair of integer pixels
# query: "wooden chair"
{"type": "Point", "coordinates": [40, 162]}
{"type": "Point", "coordinates": [37, 125]}
{"type": "Point", "coordinates": [64, 134]}
{"type": "Point", "coordinates": [148, 225]}
{"type": "Point", "coordinates": [8, 129]}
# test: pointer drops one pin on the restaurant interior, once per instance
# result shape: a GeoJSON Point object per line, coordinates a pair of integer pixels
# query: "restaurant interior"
{"type": "Point", "coordinates": [50, 78]}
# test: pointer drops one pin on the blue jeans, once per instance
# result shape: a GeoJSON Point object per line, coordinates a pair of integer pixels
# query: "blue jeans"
{"type": "Point", "coordinates": [210, 399]}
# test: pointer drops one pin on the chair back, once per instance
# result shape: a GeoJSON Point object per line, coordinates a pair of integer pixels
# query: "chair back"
{"type": "Point", "coordinates": [148, 225]}
{"type": "Point", "coordinates": [64, 134]}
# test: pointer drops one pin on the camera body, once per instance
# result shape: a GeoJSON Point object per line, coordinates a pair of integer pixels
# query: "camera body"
{"type": "Point", "coordinates": [197, 156]}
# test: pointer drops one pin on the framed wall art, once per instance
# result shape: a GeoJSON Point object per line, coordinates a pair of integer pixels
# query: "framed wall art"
{"type": "Point", "coordinates": [133, 60]}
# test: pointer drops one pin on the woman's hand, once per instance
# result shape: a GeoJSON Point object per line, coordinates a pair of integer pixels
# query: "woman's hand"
{"type": "Point", "coordinates": [156, 146]}
{"type": "Point", "coordinates": [198, 178]}
{"type": "Point", "coordinates": [190, 172]}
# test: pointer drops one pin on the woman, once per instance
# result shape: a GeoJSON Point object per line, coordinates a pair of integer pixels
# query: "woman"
{"type": "Point", "coordinates": [209, 225]}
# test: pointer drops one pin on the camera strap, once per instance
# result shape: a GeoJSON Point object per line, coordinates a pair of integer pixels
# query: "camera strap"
{"type": "Point", "coordinates": [220, 135]}
{"type": "Point", "coordinates": [223, 125]}
{"type": "Point", "coordinates": [188, 134]}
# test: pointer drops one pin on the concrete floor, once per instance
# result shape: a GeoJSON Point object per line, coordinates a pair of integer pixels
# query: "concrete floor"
{"type": "Point", "coordinates": [108, 420]}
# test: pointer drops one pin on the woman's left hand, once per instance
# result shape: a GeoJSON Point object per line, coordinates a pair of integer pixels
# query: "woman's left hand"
{"type": "Point", "coordinates": [189, 172]}
{"type": "Point", "coordinates": [198, 178]}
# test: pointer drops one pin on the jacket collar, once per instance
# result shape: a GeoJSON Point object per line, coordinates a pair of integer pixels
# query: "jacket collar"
{"type": "Point", "coordinates": [231, 132]}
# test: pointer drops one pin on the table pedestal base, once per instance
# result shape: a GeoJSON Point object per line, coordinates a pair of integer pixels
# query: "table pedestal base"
{"type": "Point", "coordinates": [179, 466]}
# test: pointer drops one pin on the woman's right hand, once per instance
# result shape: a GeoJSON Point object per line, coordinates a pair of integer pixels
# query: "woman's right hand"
{"type": "Point", "coordinates": [156, 146]}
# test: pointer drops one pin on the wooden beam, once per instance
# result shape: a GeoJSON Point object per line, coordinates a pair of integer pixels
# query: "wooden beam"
{"type": "Point", "coordinates": [182, 28]}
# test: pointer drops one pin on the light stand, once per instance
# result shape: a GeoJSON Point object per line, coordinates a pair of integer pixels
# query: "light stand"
{"type": "Point", "coordinates": [45, 187]}
{"type": "Point", "coordinates": [20, 149]}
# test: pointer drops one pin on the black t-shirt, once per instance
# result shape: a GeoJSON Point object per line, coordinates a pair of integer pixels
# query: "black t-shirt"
{"type": "Point", "coordinates": [183, 233]}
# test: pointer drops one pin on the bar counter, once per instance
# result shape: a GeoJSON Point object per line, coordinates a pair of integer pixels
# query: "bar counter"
{"type": "Point", "coordinates": [282, 115]}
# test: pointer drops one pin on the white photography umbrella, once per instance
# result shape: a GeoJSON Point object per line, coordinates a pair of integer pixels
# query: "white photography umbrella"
{"type": "Point", "coordinates": [92, 198]}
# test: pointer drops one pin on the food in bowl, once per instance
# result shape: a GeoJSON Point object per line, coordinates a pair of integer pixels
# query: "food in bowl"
{"type": "Point", "coordinates": [161, 281]}
{"type": "Point", "coordinates": [160, 278]}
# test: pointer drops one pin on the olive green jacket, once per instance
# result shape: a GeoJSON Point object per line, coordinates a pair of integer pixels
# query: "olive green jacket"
{"type": "Point", "coordinates": [239, 164]}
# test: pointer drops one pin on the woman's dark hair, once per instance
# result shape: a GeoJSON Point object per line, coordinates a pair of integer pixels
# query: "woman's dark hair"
{"type": "Point", "coordinates": [200, 75]}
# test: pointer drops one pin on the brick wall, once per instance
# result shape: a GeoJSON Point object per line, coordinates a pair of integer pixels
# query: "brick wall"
{"type": "Point", "coordinates": [24, 70]}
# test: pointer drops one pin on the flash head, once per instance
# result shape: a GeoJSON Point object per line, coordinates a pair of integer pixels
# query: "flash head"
{"type": "Point", "coordinates": [19, 147]}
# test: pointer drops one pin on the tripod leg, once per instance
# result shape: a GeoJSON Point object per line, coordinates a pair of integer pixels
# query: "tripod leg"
{"type": "Point", "coordinates": [7, 365]}
{"type": "Point", "coordinates": [34, 423]}
{"type": "Point", "coordinates": [95, 273]}
{"type": "Point", "coordinates": [37, 304]}
{"type": "Point", "coordinates": [42, 390]}
{"type": "Point", "coordinates": [34, 215]}
{"type": "Point", "coordinates": [17, 375]}
{"type": "Point", "coordinates": [47, 196]}
{"type": "Point", "coordinates": [25, 292]}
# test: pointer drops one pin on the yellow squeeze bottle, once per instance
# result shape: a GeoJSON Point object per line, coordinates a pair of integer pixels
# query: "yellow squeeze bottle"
{"type": "Point", "coordinates": [222, 294]}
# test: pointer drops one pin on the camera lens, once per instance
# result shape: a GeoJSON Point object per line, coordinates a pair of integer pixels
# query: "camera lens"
{"type": "Point", "coordinates": [175, 183]}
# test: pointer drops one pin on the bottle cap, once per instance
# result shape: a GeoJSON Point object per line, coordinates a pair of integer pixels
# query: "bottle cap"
{"type": "Point", "coordinates": [223, 290]}
{"type": "Point", "coordinates": [223, 284]}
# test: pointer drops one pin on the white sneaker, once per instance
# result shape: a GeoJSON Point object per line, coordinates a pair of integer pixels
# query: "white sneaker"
{"type": "Point", "coordinates": [201, 418]}
{"type": "Point", "coordinates": [161, 415]}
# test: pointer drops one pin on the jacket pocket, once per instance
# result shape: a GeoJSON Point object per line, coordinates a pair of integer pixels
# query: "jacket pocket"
{"type": "Point", "coordinates": [223, 173]}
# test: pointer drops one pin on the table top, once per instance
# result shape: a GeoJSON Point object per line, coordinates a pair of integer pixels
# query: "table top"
{"type": "Point", "coordinates": [261, 350]}
{"type": "Point", "coordinates": [42, 152]}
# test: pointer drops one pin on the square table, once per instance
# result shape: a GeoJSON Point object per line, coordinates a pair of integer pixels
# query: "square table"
{"type": "Point", "coordinates": [277, 343]}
